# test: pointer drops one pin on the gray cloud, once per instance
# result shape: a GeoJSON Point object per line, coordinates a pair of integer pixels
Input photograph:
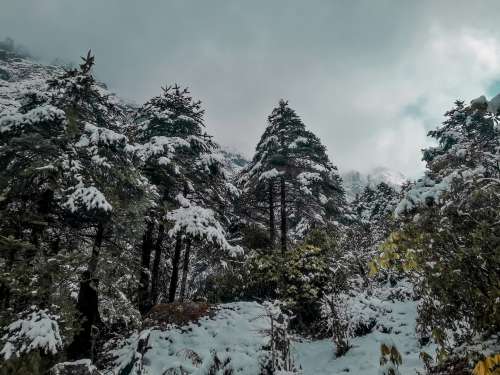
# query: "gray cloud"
{"type": "Point", "coordinates": [369, 77]}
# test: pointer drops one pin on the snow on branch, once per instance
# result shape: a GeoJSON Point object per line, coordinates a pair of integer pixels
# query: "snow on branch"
{"type": "Point", "coordinates": [199, 222]}
{"type": "Point", "coordinates": [88, 198]}
{"type": "Point", "coordinates": [426, 189]}
{"type": "Point", "coordinates": [44, 114]}
{"type": "Point", "coordinates": [38, 330]}
{"type": "Point", "coordinates": [270, 174]}
{"type": "Point", "coordinates": [165, 146]}
{"type": "Point", "coordinates": [209, 159]}
{"type": "Point", "coordinates": [95, 135]}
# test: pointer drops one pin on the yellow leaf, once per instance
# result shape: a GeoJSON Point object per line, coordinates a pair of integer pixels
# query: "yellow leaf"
{"type": "Point", "coordinates": [480, 369]}
{"type": "Point", "coordinates": [486, 366]}
{"type": "Point", "coordinates": [373, 269]}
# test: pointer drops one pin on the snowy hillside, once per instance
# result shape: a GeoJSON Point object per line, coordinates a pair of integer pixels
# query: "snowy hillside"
{"type": "Point", "coordinates": [18, 75]}
{"type": "Point", "coordinates": [355, 182]}
{"type": "Point", "coordinates": [238, 334]}
{"type": "Point", "coordinates": [233, 160]}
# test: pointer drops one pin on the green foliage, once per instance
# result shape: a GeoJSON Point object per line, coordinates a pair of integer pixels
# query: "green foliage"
{"type": "Point", "coordinates": [28, 364]}
{"type": "Point", "coordinates": [300, 278]}
{"type": "Point", "coordinates": [291, 160]}
{"type": "Point", "coordinates": [462, 274]}
{"type": "Point", "coordinates": [449, 239]}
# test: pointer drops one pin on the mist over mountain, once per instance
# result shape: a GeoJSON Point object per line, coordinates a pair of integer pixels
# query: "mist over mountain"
{"type": "Point", "coordinates": [355, 181]}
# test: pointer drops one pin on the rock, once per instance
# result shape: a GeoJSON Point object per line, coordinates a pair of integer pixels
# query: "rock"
{"type": "Point", "coordinates": [80, 367]}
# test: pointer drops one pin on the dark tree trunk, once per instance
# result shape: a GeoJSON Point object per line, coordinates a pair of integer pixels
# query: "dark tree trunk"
{"type": "Point", "coordinates": [88, 311]}
{"type": "Point", "coordinates": [88, 304]}
{"type": "Point", "coordinates": [185, 270]}
{"type": "Point", "coordinates": [175, 268]}
{"type": "Point", "coordinates": [155, 274]}
{"type": "Point", "coordinates": [143, 291]}
{"type": "Point", "coordinates": [96, 249]}
{"type": "Point", "coordinates": [283, 216]}
{"type": "Point", "coordinates": [272, 229]}
{"type": "Point", "coordinates": [4, 296]}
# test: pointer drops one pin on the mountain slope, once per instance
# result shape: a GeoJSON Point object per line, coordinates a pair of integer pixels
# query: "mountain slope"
{"type": "Point", "coordinates": [355, 182]}
{"type": "Point", "coordinates": [18, 75]}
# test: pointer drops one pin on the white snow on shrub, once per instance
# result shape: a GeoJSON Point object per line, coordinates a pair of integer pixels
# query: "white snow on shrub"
{"type": "Point", "coordinates": [39, 330]}
{"type": "Point", "coordinates": [427, 189]}
{"type": "Point", "coordinates": [236, 334]}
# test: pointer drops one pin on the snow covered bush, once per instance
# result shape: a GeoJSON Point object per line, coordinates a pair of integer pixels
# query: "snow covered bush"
{"type": "Point", "coordinates": [280, 359]}
{"type": "Point", "coordinates": [334, 312]}
{"type": "Point", "coordinates": [30, 344]}
{"type": "Point", "coordinates": [37, 330]}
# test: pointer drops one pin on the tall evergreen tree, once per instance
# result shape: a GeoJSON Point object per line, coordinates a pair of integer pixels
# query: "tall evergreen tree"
{"type": "Point", "coordinates": [290, 162]}
{"type": "Point", "coordinates": [180, 160]}
{"type": "Point", "coordinates": [101, 183]}
{"type": "Point", "coordinates": [30, 197]}
{"type": "Point", "coordinates": [69, 171]}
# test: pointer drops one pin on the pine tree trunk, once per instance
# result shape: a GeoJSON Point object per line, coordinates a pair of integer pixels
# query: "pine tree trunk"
{"type": "Point", "coordinates": [175, 268]}
{"type": "Point", "coordinates": [88, 308]}
{"type": "Point", "coordinates": [185, 270]}
{"type": "Point", "coordinates": [272, 228]}
{"type": "Point", "coordinates": [96, 249]}
{"type": "Point", "coordinates": [156, 264]}
{"type": "Point", "coordinates": [143, 291]}
{"type": "Point", "coordinates": [283, 216]}
{"type": "Point", "coordinates": [88, 303]}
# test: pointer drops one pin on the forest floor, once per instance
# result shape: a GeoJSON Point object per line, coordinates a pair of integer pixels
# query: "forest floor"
{"type": "Point", "coordinates": [233, 338]}
{"type": "Point", "coordinates": [317, 357]}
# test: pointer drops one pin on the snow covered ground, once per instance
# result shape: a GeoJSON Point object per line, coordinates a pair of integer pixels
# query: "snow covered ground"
{"type": "Point", "coordinates": [317, 357]}
{"type": "Point", "coordinates": [237, 332]}
{"type": "Point", "coordinates": [234, 336]}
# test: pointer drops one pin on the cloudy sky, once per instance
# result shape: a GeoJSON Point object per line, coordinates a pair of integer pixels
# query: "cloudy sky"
{"type": "Point", "coordinates": [370, 78]}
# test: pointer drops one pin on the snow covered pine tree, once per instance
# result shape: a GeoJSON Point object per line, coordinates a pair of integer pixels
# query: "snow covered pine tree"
{"type": "Point", "coordinates": [182, 162]}
{"type": "Point", "coordinates": [292, 161]}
